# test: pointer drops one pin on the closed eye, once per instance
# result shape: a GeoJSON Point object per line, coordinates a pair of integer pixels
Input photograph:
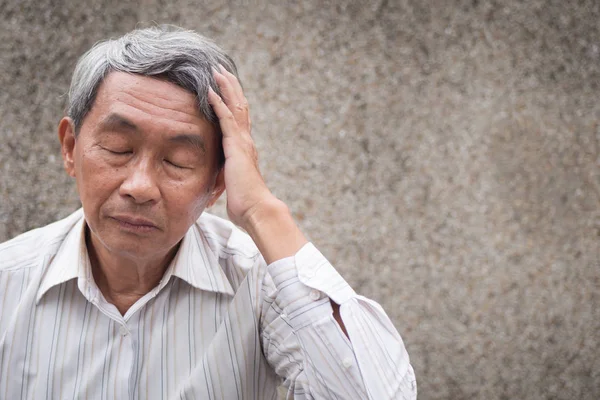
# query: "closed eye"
{"type": "Point", "coordinates": [118, 152]}
{"type": "Point", "coordinates": [171, 163]}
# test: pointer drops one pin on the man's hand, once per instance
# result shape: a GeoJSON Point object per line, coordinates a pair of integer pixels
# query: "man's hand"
{"type": "Point", "coordinates": [245, 186]}
{"type": "Point", "coordinates": [250, 204]}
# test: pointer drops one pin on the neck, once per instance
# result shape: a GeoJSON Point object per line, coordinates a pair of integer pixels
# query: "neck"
{"type": "Point", "coordinates": [124, 280]}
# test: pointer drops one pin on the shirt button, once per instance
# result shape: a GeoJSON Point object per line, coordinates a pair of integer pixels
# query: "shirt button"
{"type": "Point", "coordinates": [123, 330]}
{"type": "Point", "coordinates": [347, 363]}
{"type": "Point", "coordinates": [314, 294]}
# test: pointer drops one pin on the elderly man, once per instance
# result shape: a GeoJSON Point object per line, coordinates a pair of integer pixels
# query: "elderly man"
{"type": "Point", "coordinates": [143, 295]}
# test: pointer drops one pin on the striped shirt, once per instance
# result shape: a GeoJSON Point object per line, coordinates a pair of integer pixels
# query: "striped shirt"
{"type": "Point", "coordinates": [221, 324]}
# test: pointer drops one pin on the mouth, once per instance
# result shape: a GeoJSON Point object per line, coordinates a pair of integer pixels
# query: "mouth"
{"type": "Point", "coordinates": [135, 224]}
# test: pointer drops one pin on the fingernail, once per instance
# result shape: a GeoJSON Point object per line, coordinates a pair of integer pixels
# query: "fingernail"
{"type": "Point", "coordinates": [214, 70]}
{"type": "Point", "coordinates": [222, 68]}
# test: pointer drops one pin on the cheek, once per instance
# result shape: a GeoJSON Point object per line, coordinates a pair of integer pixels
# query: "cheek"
{"type": "Point", "coordinates": [188, 202]}
{"type": "Point", "coordinates": [95, 179]}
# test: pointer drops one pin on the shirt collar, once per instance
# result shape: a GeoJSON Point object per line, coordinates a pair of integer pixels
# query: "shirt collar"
{"type": "Point", "coordinates": [198, 265]}
{"type": "Point", "coordinates": [69, 262]}
{"type": "Point", "coordinates": [194, 263]}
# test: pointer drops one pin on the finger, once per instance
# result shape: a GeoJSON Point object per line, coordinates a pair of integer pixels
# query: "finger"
{"type": "Point", "coordinates": [240, 140]}
{"type": "Point", "coordinates": [233, 81]}
{"type": "Point", "coordinates": [227, 120]}
{"type": "Point", "coordinates": [227, 93]}
{"type": "Point", "coordinates": [234, 98]}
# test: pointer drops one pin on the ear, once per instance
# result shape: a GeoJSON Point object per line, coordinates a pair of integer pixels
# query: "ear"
{"type": "Point", "coordinates": [66, 136]}
{"type": "Point", "coordinates": [219, 187]}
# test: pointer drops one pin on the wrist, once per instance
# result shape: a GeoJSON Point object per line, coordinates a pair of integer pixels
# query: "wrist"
{"type": "Point", "coordinates": [268, 209]}
{"type": "Point", "coordinates": [273, 230]}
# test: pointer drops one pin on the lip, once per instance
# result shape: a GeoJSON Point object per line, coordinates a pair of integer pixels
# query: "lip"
{"type": "Point", "coordinates": [135, 223]}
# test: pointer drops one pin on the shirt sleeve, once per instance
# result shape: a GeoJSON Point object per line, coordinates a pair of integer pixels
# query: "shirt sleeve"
{"type": "Point", "coordinates": [306, 346]}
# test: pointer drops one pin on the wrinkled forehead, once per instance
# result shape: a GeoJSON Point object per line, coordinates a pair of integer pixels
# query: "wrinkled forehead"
{"type": "Point", "coordinates": [136, 102]}
{"type": "Point", "coordinates": [154, 90]}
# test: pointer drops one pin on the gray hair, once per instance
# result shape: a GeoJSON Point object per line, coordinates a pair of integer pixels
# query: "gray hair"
{"type": "Point", "coordinates": [179, 56]}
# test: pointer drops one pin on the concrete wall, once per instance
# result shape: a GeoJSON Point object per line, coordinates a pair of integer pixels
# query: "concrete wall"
{"type": "Point", "coordinates": [444, 155]}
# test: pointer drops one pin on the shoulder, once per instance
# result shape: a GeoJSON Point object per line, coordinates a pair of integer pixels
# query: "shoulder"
{"type": "Point", "coordinates": [234, 249]}
{"type": "Point", "coordinates": [225, 239]}
{"type": "Point", "coordinates": [29, 248]}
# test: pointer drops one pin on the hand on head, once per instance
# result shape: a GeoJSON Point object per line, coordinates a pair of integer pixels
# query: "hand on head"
{"type": "Point", "coordinates": [245, 186]}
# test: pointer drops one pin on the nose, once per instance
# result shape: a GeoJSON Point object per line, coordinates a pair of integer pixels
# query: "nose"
{"type": "Point", "coordinates": [140, 183]}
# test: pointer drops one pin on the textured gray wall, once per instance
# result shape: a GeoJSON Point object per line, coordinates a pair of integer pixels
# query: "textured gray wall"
{"type": "Point", "coordinates": [444, 155]}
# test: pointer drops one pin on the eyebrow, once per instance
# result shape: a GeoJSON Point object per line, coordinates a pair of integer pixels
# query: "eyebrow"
{"type": "Point", "coordinates": [195, 141]}
{"type": "Point", "coordinates": [119, 123]}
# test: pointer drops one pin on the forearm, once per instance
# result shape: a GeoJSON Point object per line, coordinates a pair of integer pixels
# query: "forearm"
{"type": "Point", "coordinates": [273, 229]}
{"type": "Point", "coordinates": [277, 236]}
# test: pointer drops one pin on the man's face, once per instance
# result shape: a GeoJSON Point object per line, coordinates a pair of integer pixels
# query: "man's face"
{"type": "Point", "coordinates": [145, 165]}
